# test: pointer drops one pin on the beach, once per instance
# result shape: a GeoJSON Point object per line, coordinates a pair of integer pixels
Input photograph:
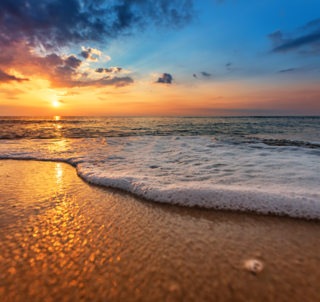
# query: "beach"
{"type": "Point", "coordinates": [63, 239]}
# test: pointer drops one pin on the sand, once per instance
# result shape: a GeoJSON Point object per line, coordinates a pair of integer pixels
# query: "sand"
{"type": "Point", "coordinates": [62, 239]}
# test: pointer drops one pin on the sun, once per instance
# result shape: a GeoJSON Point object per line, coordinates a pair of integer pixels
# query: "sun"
{"type": "Point", "coordinates": [55, 104]}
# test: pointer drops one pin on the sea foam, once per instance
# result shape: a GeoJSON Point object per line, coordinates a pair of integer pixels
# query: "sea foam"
{"type": "Point", "coordinates": [191, 171]}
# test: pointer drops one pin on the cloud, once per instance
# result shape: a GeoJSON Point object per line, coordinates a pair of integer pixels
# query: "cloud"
{"type": "Point", "coordinates": [73, 62]}
{"type": "Point", "coordinates": [106, 81]}
{"type": "Point", "coordinates": [112, 92]}
{"type": "Point", "coordinates": [89, 53]}
{"type": "Point", "coordinates": [287, 70]}
{"type": "Point", "coordinates": [6, 78]}
{"type": "Point", "coordinates": [61, 71]}
{"type": "Point", "coordinates": [58, 23]}
{"type": "Point", "coordinates": [62, 101]}
{"type": "Point", "coordinates": [166, 78]}
{"type": "Point", "coordinates": [194, 75]}
{"type": "Point", "coordinates": [11, 93]}
{"type": "Point", "coordinates": [69, 93]}
{"type": "Point", "coordinates": [32, 35]}
{"type": "Point", "coordinates": [109, 70]}
{"type": "Point", "coordinates": [205, 74]}
{"type": "Point", "coordinates": [307, 40]}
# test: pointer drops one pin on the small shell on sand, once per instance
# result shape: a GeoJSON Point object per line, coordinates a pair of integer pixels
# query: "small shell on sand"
{"type": "Point", "coordinates": [254, 266]}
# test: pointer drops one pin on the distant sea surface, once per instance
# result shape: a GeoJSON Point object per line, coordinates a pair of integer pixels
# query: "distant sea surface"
{"type": "Point", "coordinates": [292, 128]}
{"type": "Point", "coordinates": [269, 165]}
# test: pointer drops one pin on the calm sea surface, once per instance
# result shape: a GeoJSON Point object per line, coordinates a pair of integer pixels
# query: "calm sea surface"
{"type": "Point", "coordinates": [293, 128]}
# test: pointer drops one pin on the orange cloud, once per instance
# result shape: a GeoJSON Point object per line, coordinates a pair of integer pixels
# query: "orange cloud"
{"type": "Point", "coordinates": [61, 71]}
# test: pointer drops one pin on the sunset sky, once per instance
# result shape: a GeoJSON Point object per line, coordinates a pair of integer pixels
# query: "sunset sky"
{"type": "Point", "coordinates": [159, 57]}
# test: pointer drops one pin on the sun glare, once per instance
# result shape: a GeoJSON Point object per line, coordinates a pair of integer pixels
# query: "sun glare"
{"type": "Point", "coordinates": [55, 104]}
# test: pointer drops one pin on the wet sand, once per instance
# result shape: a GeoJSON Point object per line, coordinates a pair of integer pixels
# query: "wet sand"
{"type": "Point", "coordinates": [62, 239]}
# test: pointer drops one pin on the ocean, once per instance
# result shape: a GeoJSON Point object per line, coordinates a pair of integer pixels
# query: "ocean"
{"type": "Point", "coordinates": [268, 165]}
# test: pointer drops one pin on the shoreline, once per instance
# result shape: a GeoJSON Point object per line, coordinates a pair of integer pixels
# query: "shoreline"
{"type": "Point", "coordinates": [142, 198]}
{"type": "Point", "coordinates": [79, 242]}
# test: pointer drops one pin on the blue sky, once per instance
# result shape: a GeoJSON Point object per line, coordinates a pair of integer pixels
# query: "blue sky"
{"type": "Point", "coordinates": [232, 32]}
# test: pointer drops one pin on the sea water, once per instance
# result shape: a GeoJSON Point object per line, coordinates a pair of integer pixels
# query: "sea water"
{"type": "Point", "coordinates": [261, 164]}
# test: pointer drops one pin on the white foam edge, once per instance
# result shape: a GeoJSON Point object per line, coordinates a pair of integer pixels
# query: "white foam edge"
{"type": "Point", "coordinates": [209, 197]}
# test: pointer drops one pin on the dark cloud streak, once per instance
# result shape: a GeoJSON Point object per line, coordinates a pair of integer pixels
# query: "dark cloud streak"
{"type": "Point", "coordinates": [6, 78]}
{"type": "Point", "coordinates": [308, 37]}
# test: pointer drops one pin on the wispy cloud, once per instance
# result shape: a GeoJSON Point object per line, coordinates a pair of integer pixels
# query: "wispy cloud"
{"type": "Point", "coordinates": [287, 70]}
{"type": "Point", "coordinates": [306, 40]}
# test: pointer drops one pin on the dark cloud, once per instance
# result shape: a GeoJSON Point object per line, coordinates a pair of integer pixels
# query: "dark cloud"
{"type": "Point", "coordinates": [73, 62]}
{"type": "Point", "coordinates": [205, 74]}
{"type": "Point", "coordinates": [194, 75]}
{"type": "Point", "coordinates": [6, 78]}
{"type": "Point", "coordinates": [307, 39]}
{"type": "Point", "coordinates": [56, 23]}
{"type": "Point", "coordinates": [287, 70]}
{"type": "Point", "coordinates": [54, 60]}
{"type": "Point", "coordinates": [99, 70]}
{"type": "Point", "coordinates": [166, 78]}
{"type": "Point", "coordinates": [109, 70]}
{"type": "Point", "coordinates": [228, 65]}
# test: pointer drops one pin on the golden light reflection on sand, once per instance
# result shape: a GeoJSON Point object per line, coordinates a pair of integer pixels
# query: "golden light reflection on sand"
{"type": "Point", "coordinates": [59, 174]}
{"type": "Point", "coordinates": [84, 243]}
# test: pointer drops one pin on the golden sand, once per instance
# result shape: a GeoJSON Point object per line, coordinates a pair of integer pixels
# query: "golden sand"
{"type": "Point", "coordinates": [62, 239]}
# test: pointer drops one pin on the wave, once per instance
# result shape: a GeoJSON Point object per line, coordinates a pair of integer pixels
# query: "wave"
{"type": "Point", "coordinates": [191, 171]}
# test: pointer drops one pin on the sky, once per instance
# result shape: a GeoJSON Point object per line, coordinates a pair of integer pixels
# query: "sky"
{"type": "Point", "coordinates": [159, 57]}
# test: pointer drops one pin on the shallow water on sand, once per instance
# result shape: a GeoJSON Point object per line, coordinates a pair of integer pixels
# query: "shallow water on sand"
{"type": "Point", "coordinates": [62, 239]}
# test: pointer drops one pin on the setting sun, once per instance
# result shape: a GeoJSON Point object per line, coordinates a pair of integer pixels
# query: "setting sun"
{"type": "Point", "coordinates": [55, 104]}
